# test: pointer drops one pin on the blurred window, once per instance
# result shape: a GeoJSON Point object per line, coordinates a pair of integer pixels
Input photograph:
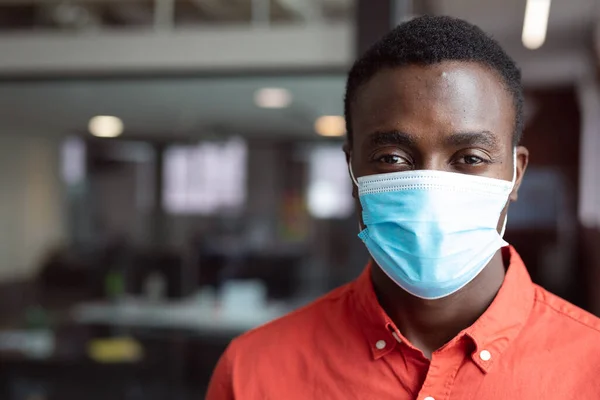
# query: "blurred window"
{"type": "Point", "coordinates": [329, 186]}
{"type": "Point", "coordinates": [543, 200]}
{"type": "Point", "coordinates": [73, 160]}
{"type": "Point", "coordinates": [205, 179]}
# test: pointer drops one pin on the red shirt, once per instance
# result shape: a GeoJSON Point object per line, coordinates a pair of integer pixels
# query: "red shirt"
{"type": "Point", "coordinates": [529, 344]}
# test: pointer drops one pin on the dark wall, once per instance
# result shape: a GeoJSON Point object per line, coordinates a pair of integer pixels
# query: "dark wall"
{"type": "Point", "coordinates": [552, 135]}
{"type": "Point", "coordinates": [590, 263]}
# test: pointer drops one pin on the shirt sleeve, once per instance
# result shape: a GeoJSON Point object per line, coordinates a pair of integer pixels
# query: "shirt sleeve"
{"type": "Point", "coordinates": [221, 382]}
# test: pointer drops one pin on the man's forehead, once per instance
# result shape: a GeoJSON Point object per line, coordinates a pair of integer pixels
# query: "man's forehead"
{"type": "Point", "coordinates": [440, 79]}
{"type": "Point", "coordinates": [451, 96]}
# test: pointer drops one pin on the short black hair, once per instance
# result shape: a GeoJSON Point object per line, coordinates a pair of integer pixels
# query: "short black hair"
{"type": "Point", "coordinates": [430, 40]}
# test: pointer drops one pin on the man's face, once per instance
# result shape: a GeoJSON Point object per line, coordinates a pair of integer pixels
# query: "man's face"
{"type": "Point", "coordinates": [451, 116]}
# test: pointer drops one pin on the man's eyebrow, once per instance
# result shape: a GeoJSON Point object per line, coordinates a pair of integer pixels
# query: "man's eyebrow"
{"type": "Point", "coordinates": [483, 138]}
{"type": "Point", "coordinates": [394, 137]}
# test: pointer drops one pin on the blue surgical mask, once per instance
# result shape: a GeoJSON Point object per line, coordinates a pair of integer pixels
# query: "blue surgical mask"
{"type": "Point", "coordinates": [432, 232]}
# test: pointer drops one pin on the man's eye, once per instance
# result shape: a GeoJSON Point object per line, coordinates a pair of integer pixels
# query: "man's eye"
{"type": "Point", "coordinates": [392, 159]}
{"type": "Point", "coordinates": [473, 160]}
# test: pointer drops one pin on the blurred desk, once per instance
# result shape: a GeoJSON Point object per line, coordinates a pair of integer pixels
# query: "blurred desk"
{"type": "Point", "coordinates": [182, 315]}
{"type": "Point", "coordinates": [182, 341]}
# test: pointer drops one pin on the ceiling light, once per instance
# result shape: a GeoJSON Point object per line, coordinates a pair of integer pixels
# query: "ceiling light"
{"type": "Point", "coordinates": [105, 126]}
{"type": "Point", "coordinates": [536, 23]}
{"type": "Point", "coordinates": [330, 125]}
{"type": "Point", "coordinates": [272, 98]}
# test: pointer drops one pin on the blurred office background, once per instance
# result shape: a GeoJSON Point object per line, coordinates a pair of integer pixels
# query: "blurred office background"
{"type": "Point", "coordinates": [214, 195]}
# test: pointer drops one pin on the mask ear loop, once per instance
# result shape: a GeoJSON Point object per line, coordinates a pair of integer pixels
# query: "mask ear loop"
{"type": "Point", "coordinates": [360, 226]}
{"type": "Point", "coordinates": [351, 172]}
{"type": "Point", "coordinates": [514, 180]}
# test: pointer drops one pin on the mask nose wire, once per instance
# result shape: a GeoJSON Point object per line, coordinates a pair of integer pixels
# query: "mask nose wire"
{"type": "Point", "coordinates": [514, 180]}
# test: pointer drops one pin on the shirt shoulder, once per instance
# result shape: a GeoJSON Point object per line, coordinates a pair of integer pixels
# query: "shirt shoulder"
{"type": "Point", "coordinates": [565, 340]}
{"type": "Point", "coordinates": [555, 310]}
{"type": "Point", "coordinates": [253, 362]}
{"type": "Point", "coordinates": [299, 325]}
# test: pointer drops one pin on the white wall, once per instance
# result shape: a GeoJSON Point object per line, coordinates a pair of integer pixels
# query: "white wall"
{"type": "Point", "coordinates": [589, 101]}
{"type": "Point", "coordinates": [589, 195]}
{"type": "Point", "coordinates": [30, 203]}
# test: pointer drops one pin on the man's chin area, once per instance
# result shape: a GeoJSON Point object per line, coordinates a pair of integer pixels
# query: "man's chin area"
{"type": "Point", "coordinates": [493, 272]}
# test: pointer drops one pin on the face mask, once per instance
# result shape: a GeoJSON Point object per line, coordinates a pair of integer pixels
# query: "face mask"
{"type": "Point", "coordinates": [432, 232]}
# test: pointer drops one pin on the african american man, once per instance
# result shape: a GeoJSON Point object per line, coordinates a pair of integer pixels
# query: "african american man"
{"type": "Point", "coordinates": [445, 309]}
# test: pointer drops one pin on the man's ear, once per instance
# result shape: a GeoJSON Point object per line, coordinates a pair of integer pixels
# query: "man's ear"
{"type": "Point", "coordinates": [347, 151]}
{"type": "Point", "coordinates": [522, 162]}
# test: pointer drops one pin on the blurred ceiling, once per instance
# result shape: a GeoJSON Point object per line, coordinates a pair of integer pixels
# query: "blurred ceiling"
{"type": "Point", "coordinates": [191, 107]}
{"type": "Point", "coordinates": [92, 14]}
{"type": "Point", "coordinates": [570, 23]}
{"type": "Point", "coordinates": [178, 107]}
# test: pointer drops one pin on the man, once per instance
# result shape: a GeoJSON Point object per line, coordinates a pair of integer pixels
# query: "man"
{"type": "Point", "coordinates": [445, 309]}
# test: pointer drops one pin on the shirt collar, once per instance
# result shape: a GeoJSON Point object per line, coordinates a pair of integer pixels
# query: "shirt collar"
{"type": "Point", "coordinates": [492, 332]}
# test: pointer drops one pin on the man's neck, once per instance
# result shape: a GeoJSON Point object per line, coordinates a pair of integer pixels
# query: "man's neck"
{"type": "Point", "coordinates": [429, 324]}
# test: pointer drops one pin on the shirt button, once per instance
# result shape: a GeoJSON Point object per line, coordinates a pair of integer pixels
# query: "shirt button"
{"type": "Point", "coordinates": [380, 344]}
{"type": "Point", "coordinates": [485, 355]}
{"type": "Point", "coordinates": [428, 398]}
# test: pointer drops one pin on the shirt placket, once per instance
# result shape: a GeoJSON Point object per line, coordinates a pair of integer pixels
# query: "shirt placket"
{"type": "Point", "coordinates": [441, 376]}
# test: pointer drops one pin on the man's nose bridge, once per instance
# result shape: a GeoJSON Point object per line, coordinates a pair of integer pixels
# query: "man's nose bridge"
{"type": "Point", "coordinates": [432, 161]}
